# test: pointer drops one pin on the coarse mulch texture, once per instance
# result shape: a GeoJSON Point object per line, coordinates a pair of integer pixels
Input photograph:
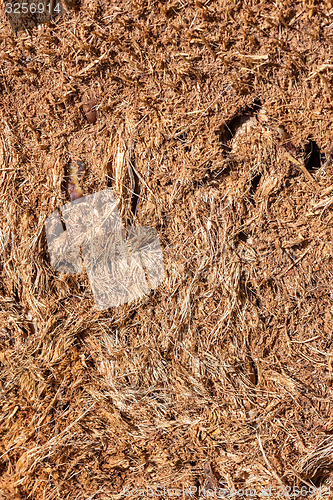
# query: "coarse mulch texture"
{"type": "Point", "coordinates": [214, 126]}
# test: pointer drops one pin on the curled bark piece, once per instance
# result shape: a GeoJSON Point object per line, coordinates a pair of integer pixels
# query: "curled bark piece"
{"type": "Point", "coordinates": [76, 171]}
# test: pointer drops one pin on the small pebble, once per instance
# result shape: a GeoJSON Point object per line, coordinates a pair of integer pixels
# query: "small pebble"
{"type": "Point", "coordinates": [89, 109]}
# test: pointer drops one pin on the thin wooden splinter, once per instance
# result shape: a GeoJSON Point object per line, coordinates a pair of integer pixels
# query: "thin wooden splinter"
{"type": "Point", "coordinates": [302, 167]}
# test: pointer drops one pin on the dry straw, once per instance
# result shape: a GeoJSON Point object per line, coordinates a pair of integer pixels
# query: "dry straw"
{"type": "Point", "coordinates": [208, 115]}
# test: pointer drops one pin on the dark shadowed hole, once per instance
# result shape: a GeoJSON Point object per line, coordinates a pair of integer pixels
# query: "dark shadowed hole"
{"type": "Point", "coordinates": [182, 137]}
{"type": "Point", "coordinates": [135, 189]}
{"type": "Point", "coordinates": [109, 178]}
{"type": "Point", "coordinates": [313, 156]}
{"type": "Point", "coordinates": [254, 185]}
{"type": "Point", "coordinates": [64, 182]}
{"type": "Point", "coordinates": [227, 130]}
{"type": "Point", "coordinates": [64, 406]}
{"type": "Point", "coordinates": [73, 4]}
{"type": "Point", "coordinates": [242, 236]}
{"type": "Point", "coordinates": [62, 220]}
{"type": "Point", "coordinates": [16, 294]}
{"type": "Point", "coordinates": [258, 303]}
{"type": "Point", "coordinates": [320, 477]}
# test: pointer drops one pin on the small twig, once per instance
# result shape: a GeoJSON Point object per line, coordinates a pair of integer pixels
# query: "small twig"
{"type": "Point", "coordinates": [207, 45]}
{"type": "Point", "coordinates": [91, 65]}
{"type": "Point", "coordinates": [323, 204]}
{"type": "Point", "coordinates": [327, 191]}
{"type": "Point", "coordinates": [319, 70]}
{"type": "Point", "coordinates": [271, 467]}
{"type": "Point", "coordinates": [300, 165]}
{"type": "Point", "coordinates": [294, 263]}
